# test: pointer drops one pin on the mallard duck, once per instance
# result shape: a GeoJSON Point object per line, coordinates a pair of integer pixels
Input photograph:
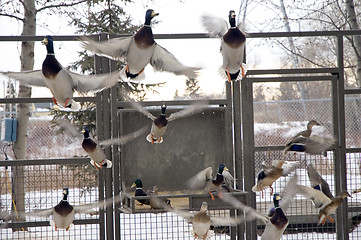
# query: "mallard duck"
{"type": "Point", "coordinates": [232, 45]}
{"type": "Point", "coordinates": [312, 145]}
{"type": "Point", "coordinates": [160, 123]}
{"type": "Point", "coordinates": [138, 51]}
{"type": "Point", "coordinates": [205, 180]}
{"type": "Point", "coordinates": [201, 221]}
{"type": "Point", "coordinates": [60, 81]}
{"type": "Point", "coordinates": [317, 182]}
{"type": "Point", "coordinates": [63, 213]}
{"type": "Point", "coordinates": [269, 174]}
{"type": "Point", "coordinates": [278, 221]}
{"type": "Point", "coordinates": [305, 133]}
{"type": "Point", "coordinates": [94, 150]}
{"type": "Point", "coordinates": [154, 204]}
{"type": "Point", "coordinates": [325, 205]}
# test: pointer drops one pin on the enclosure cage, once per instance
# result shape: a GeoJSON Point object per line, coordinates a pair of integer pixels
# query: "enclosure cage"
{"type": "Point", "coordinates": [237, 130]}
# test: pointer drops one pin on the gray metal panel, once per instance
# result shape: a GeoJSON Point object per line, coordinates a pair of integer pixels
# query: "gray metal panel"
{"type": "Point", "coordinates": [190, 145]}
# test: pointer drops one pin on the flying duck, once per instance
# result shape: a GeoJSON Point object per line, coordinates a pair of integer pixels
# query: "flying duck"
{"type": "Point", "coordinates": [154, 203]}
{"type": "Point", "coordinates": [269, 174]}
{"type": "Point", "coordinates": [201, 221]}
{"type": "Point", "coordinates": [60, 81]}
{"type": "Point", "coordinates": [305, 133]}
{"type": "Point", "coordinates": [63, 213]}
{"type": "Point", "coordinates": [313, 145]}
{"type": "Point", "coordinates": [232, 45]}
{"type": "Point", "coordinates": [94, 150]}
{"type": "Point", "coordinates": [138, 51]}
{"type": "Point", "coordinates": [321, 196]}
{"type": "Point", "coordinates": [278, 221]}
{"type": "Point", "coordinates": [160, 123]}
{"type": "Point", "coordinates": [205, 180]}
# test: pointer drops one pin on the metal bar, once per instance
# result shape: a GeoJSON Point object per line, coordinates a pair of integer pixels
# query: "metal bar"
{"type": "Point", "coordinates": [292, 71]}
{"type": "Point", "coordinates": [52, 161]}
{"type": "Point", "coordinates": [340, 160]}
{"type": "Point", "coordinates": [99, 121]}
{"type": "Point", "coordinates": [47, 223]}
{"type": "Point", "coordinates": [228, 125]}
{"type": "Point", "coordinates": [172, 103]}
{"type": "Point", "coordinates": [248, 150]}
{"type": "Point", "coordinates": [353, 91]}
{"type": "Point", "coordinates": [291, 79]}
{"type": "Point", "coordinates": [193, 35]}
{"type": "Point", "coordinates": [42, 100]}
{"type": "Point", "coordinates": [238, 163]}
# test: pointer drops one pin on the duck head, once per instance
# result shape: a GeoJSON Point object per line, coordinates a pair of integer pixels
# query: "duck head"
{"type": "Point", "coordinates": [163, 108]}
{"type": "Point", "coordinates": [312, 123]}
{"type": "Point", "coordinates": [65, 194]}
{"type": "Point", "coordinates": [345, 194]}
{"type": "Point", "coordinates": [276, 200]}
{"type": "Point", "coordinates": [48, 42]}
{"type": "Point", "coordinates": [137, 183]}
{"type": "Point", "coordinates": [149, 15]}
{"type": "Point", "coordinates": [221, 168]}
{"type": "Point", "coordinates": [232, 18]}
{"type": "Point", "coordinates": [85, 132]}
{"type": "Point", "coordinates": [204, 207]}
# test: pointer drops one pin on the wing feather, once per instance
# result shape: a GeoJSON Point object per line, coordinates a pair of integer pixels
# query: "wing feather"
{"type": "Point", "coordinates": [32, 78]}
{"type": "Point", "coordinates": [198, 181]}
{"type": "Point", "coordinates": [215, 26]}
{"type": "Point", "coordinates": [137, 106]}
{"type": "Point", "coordinates": [98, 82]}
{"type": "Point", "coordinates": [192, 109]}
{"type": "Point", "coordinates": [124, 139]}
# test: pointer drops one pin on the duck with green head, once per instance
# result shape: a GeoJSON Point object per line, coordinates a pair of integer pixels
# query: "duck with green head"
{"type": "Point", "coordinates": [60, 81]}
{"type": "Point", "coordinates": [212, 183]}
{"type": "Point", "coordinates": [232, 44]}
{"type": "Point", "coordinates": [95, 152]}
{"type": "Point", "coordinates": [154, 204]}
{"type": "Point", "coordinates": [138, 51]}
{"type": "Point", "coordinates": [159, 124]}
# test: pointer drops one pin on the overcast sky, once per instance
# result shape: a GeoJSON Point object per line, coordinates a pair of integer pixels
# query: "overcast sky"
{"type": "Point", "coordinates": [175, 16]}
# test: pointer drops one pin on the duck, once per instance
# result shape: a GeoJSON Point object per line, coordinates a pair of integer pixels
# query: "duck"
{"type": "Point", "coordinates": [270, 173]}
{"type": "Point", "coordinates": [278, 220]}
{"type": "Point", "coordinates": [63, 213]}
{"type": "Point", "coordinates": [201, 221]}
{"type": "Point", "coordinates": [154, 204]}
{"type": "Point", "coordinates": [233, 42]}
{"type": "Point", "coordinates": [159, 124]}
{"type": "Point", "coordinates": [138, 51]}
{"type": "Point", "coordinates": [305, 133]}
{"type": "Point", "coordinates": [94, 149]}
{"type": "Point", "coordinates": [205, 180]}
{"type": "Point", "coordinates": [62, 82]}
{"type": "Point", "coordinates": [326, 204]}
{"type": "Point", "coordinates": [95, 152]}
{"type": "Point", "coordinates": [313, 145]}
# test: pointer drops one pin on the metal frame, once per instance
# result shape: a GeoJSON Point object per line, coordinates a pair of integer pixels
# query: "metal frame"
{"type": "Point", "coordinates": [243, 132]}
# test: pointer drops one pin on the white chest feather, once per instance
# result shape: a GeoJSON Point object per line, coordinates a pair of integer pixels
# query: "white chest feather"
{"type": "Point", "coordinates": [201, 229]}
{"type": "Point", "coordinates": [98, 155]}
{"type": "Point", "coordinates": [138, 58]}
{"type": "Point", "coordinates": [63, 222]}
{"type": "Point", "coordinates": [157, 132]}
{"type": "Point", "coordinates": [271, 232]}
{"type": "Point", "coordinates": [61, 87]}
{"type": "Point", "coordinates": [232, 58]}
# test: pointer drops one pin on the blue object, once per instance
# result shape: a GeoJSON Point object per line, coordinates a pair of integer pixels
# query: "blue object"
{"type": "Point", "coordinates": [9, 129]}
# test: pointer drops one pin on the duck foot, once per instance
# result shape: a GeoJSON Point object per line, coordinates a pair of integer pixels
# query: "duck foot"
{"type": "Point", "coordinates": [67, 229]}
{"type": "Point", "coordinates": [243, 74]}
{"type": "Point", "coordinates": [211, 195]}
{"type": "Point", "coordinates": [271, 190]}
{"type": "Point", "coordinates": [54, 101]}
{"type": "Point", "coordinates": [228, 75]}
{"type": "Point", "coordinates": [331, 220]}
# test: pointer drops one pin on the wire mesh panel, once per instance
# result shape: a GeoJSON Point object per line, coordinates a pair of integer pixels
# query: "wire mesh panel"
{"type": "Point", "coordinates": [165, 226]}
{"type": "Point", "coordinates": [42, 187]}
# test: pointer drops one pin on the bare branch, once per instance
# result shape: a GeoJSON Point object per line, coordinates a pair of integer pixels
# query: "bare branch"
{"type": "Point", "coordinates": [12, 16]}
{"type": "Point", "coordinates": [60, 5]}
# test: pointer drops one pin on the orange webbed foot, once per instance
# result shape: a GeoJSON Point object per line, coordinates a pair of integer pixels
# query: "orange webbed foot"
{"type": "Point", "coordinates": [329, 217]}
{"type": "Point", "coordinates": [228, 75]}
{"type": "Point", "coordinates": [211, 195]}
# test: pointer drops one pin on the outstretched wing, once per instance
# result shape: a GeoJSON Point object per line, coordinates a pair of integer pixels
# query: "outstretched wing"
{"type": "Point", "coordinates": [198, 181]}
{"type": "Point", "coordinates": [32, 78]}
{"type": "Point", "coordinates": [116, 48]}
{"type": "Point", "coordinates": [215, 26]}
{"type": "Point", "coordinates": [140, 109]}
{"type": "Point", "coordinates": [95, 83]}
{"type": "Point", "coordinates": [192, 109]}
{"type": "Point", "coordinates": [317, 180]}
{"type": "Point", "coordinates": [289, 167]}
{"type": "Point", "coordinates": [86, 208]}
{"type": "Point", "coordinates": [163, 60]}
{"type": "Point", "coordinates": [228, 179]}
{"type": "Point", "coordinates": [319, 199]}
{"type": "Point", "coordinates": [124, 139]}
{"type": "Point", "coordinates": [288, 193]}
{"type": "Point", "coordinates": [68, 128]}
{"type": "Point", "coordinates": [250, 213]}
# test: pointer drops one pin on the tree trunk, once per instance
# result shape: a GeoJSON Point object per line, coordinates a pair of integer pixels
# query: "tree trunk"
{"type": "Point", "coordinates": [351, 15]}
{"type": "Point", "coordinates": [23, 109]}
